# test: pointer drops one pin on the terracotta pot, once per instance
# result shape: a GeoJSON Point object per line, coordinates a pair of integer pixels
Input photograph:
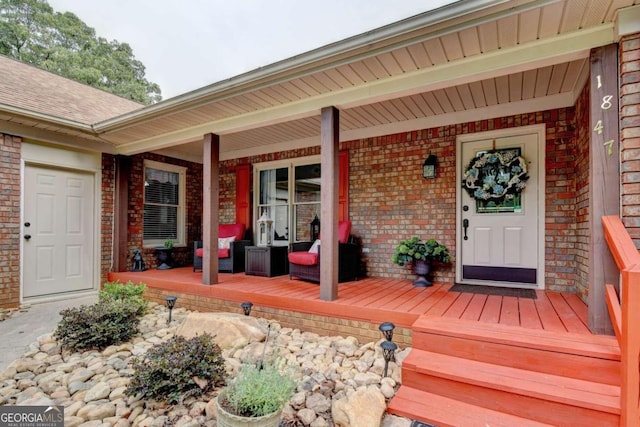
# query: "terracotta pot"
{"type": "Point", "coordinates": [226, 419]}
{"type": "Point", "coordinates": [422, 269]}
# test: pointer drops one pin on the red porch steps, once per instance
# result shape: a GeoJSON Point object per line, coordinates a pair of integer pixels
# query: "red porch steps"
{"type": "Point", "coordinates": [451, 412]}
{"type": "Point", "coordinates": [467, 373]}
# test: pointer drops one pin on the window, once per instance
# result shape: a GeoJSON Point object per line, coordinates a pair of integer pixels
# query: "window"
{"type": "Point", "coordinates": [291, 203]}
{"type": "Point", "coordinates": [164, 201]}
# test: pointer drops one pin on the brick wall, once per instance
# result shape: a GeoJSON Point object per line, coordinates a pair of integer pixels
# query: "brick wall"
{"type": "Point", "coordinates": [10, 221]}
{"type": "Point", "coordinates": [630, 133]}
{"type": "Point", "coordinates": [389, 199]}
{"type": "Point", "coordinates": [107, 215]}
{"type": "Point", "coordinates": [193, 219]}
{"type": "Point", "coordinates": [322, 325]}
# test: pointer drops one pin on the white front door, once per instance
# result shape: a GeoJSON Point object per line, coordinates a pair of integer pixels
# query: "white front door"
{"type": "Point", "coordinates": [501, 241]}
{"type": "Point", "coordinates": [58, 231]}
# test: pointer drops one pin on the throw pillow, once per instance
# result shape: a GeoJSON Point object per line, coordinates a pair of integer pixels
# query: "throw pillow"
{"type": "Point", "coordinates": [225, 242]}
{"type": "Point", "coordinates": [314, 248]}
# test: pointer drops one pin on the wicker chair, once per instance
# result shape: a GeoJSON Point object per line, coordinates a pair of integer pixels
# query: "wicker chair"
{"type": "Point", "coordinates": [229, 260]}
{"type": "Point", "coordinates": [306, 265]}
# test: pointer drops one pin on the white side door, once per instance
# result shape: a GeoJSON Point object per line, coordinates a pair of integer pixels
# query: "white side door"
{"type": "Point", "coordinates": [501, 243]}
{"type": "Point", "coordinates": [58, 231]}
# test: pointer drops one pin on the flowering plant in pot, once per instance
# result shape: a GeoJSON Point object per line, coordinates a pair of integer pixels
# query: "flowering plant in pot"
{"type": "Point", "coordinates": [256, 396]}
{"type": "Point", "coordinates": [421, 255]}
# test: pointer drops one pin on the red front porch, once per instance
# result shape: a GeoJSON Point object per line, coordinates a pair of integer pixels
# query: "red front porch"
{"type": "Point", "coordinates": [507, 358]}
{"type": "Point", "coordinates": [373, 300]}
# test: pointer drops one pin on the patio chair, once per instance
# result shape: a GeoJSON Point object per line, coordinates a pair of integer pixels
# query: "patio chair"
{"type": "Point", "coordinates": [304, 257]}
{"type": "Point", "coordinates": [230, 249]}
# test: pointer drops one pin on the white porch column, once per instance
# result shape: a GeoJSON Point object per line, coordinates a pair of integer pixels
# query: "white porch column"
{"type": "Point", "coordinates": [329, 145]}
{"type": "Point", "coordinates": [210, 207]}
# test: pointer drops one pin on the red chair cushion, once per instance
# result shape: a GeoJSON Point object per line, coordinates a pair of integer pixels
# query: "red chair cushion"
{"type": "Point", "coordinates": [303, 258]}
{"type": "Point", "coordinates": [229, 230]}
{"type": "Point", "coordinates": [344, 230]}
{"type": "Point", "coordinates": [222, 253]}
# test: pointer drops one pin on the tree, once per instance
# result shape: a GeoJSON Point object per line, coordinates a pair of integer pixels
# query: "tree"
{"type": "Point", "coordinates": [31, 32]}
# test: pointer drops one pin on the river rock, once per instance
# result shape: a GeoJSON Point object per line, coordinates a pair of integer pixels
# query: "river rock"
{"type": "Point", "coordinates": [364, 408]}
{"type": "Point", "coordinates": [230, 330]}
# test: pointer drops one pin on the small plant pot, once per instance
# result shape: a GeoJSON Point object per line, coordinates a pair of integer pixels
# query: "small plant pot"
{"type": "Point", "coordinates": [164, 257]}
{"type": "Point", "coordinates": [422, 269]}
{"type": "Point", "coordinates": [227, 419]}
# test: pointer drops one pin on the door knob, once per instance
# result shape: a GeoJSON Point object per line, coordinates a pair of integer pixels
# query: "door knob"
{"type": "Point", "coordinates": [465, 225]}
{"type": "Point", "coordinates": [27, 236]}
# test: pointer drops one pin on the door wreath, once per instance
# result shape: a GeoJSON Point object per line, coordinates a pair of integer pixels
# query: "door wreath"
{"type": "Point", "coordinates": [495, 175]}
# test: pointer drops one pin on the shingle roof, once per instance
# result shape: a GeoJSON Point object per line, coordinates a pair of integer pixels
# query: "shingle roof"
{"type": "Point", "coordinates": [30, 88]}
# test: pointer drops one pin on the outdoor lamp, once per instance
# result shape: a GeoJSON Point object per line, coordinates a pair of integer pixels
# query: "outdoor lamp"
{"type": "Point", "coordinates": [315, 228]}
{"type": "Point", "coordinates": [388, 349]}
{"type": "Point", "coordinates": [387, 330]}
{"type": "Point", "coordinates": [265, 227]}
{"type": "Point", "coordinates": [246, 307]}
{"type": "Point", "coordinates": [429, 167]}
{"type": "Point", "coordinates": [171, 302]}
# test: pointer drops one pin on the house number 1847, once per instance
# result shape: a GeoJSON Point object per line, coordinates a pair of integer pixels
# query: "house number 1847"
{"type": "Point", "coordinates": [599, 127]}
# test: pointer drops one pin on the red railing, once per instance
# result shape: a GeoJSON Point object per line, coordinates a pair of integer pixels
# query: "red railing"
{"type": "Point", "coordinates": [625, 316]}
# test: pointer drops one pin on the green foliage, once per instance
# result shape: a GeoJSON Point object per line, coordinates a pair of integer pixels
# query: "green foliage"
{"type": "Point", "coordinates": [259, 391]}
{"type": "Point", "coordinates": [168, 371]}
{"type": "Point", "coordinates": [31, 32]}
{"type": "Point", "coordinates": [133, 294]}
{"type": "Point", "coordinates": [415, 249]}
{"type": "Point", "coordinates": [168, 244]}
{"type": "Point", "coordinates": [98, 325]}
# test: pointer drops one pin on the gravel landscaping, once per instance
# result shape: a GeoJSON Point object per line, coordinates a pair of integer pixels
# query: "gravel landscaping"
{"type": "Point", "coordinates": [341, 380]}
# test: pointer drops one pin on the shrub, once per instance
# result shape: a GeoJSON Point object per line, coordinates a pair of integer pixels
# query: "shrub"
{"type": "Point", "coordinates": [129, 292]}
{"type": "Point", "coordinates": [98, 325]}
{"type": "Point", "coordinates": [258, 390]}
{"type": "Point", "coordinates": [178, 368]}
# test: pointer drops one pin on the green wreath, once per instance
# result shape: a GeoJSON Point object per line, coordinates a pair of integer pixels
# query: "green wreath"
{"type": "Point", "coordinates": [495, 176]}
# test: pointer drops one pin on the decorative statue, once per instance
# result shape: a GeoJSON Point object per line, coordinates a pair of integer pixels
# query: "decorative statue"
{"type": "Point", "coordinates": [138, 262]}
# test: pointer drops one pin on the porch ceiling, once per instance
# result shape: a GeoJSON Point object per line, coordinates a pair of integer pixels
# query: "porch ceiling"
{"type": "Point", "coordinates": [463, 62]}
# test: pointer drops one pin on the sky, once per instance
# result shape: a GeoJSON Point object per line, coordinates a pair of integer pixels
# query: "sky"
{"type": "Point", "coordinates": [188, 44]}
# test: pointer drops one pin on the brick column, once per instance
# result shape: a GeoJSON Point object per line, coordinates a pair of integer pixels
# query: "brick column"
{"type": "Point", "coordinates": [630, 133]}
{"type": "Point", "coordinates": [10, 221]}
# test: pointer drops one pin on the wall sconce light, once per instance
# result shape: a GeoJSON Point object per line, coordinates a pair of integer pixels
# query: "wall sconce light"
{"type": "Point", "coordinates": [171, 302]}
{"type": "Point", "coordinates": [246, 307]}
{"type": "Point", "coordinates": [265, 230]}
{"type": "Point", "coordinates": [315, 228]}
{"type": "Point", "coordinates": [388, 350]}
{"type": "Point", "coordinates": [429, 167]}
{"type": "Point", "coordinates": [387, 330]}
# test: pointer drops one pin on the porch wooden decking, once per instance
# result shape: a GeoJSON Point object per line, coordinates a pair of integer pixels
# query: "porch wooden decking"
{"type": "Point", "coordinates": [376, 299]}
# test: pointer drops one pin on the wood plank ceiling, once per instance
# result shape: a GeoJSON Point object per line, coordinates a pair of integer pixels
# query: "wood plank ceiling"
{"type": "Point", "coordinates": [435, 48]}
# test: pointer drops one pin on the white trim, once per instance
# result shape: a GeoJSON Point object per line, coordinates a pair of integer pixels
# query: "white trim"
{"type": "Point", "coordinates": [540, 130]}
{"type": "Point", "coordinates": [182, 200]}
{"type": "Point", "coordinates": [628, 21]}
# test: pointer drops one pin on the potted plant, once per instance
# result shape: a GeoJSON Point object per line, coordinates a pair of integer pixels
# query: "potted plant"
{"type": "Point", "coordinates": [256, 396]}
{"type": "Point", "coordinates": [164, 254]}
{"type": "Point", "coordinates": [421, 255]}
